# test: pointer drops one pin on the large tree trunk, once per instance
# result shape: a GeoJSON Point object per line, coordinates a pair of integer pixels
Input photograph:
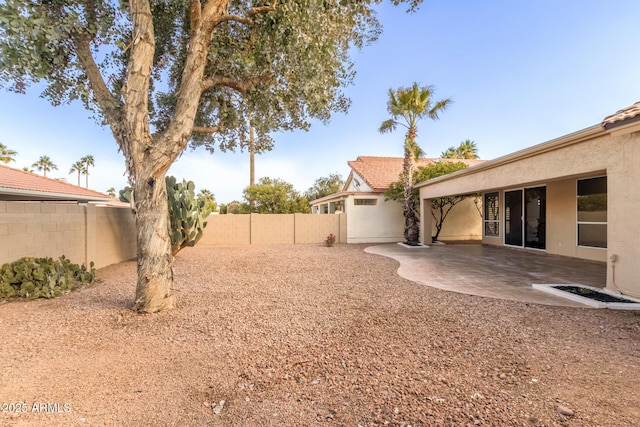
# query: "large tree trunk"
{"type": "Point", "coordinates": [154, 291]}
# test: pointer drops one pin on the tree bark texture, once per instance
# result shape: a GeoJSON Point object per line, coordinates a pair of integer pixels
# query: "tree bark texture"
{"type": "Point", "coordinates": [411, 228]}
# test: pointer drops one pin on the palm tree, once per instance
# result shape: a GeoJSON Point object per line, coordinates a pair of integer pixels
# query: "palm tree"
{"type": "Point", "coordinates": [407, 106]}
{"type": "Point", "coordinates": [209, 199]}
{"type": "Point", "coordinates": [6, 155]}
{"type": "Point", "coordinates": [44, 164]}
{"type": "Point", "coordinates": [112, 192]}
{"type": "Point", "coordinates": [466, 150]}
{"type": "Point", "coordinates": [77, 167]}
{"type": "Point", "coordinates": [86, 162]}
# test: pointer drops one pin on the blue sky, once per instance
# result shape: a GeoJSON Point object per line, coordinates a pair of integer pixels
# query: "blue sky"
{"type": "Point", "coordinates": [520, 73]}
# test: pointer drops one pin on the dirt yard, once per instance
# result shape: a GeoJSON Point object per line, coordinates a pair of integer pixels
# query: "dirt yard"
{"type": "Point", "coordinates": [310, 335]}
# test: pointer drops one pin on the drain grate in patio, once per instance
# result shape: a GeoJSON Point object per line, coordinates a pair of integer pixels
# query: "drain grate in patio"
{"type": "Point", "coordinates": [593, 294]}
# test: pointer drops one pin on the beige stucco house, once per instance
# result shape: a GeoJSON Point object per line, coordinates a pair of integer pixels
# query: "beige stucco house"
{"type": "Point", "coordinates": [577, 196]}
{"type": "Point", "coordinates": [372, 219]}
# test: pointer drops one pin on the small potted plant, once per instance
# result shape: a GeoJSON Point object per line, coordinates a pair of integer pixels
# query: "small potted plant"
{"type": "Point", "coordinates": [330, 240]}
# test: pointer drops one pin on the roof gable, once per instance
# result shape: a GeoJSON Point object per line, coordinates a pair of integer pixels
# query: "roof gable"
{"type": "Point", "coordinates": [16, 184]}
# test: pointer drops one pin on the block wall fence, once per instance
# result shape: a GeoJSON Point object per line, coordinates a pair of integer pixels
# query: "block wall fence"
{"type": "Point", "coordinates": [107, 235]}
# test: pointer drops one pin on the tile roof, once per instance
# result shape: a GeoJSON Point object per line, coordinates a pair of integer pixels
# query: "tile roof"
{"type": "Point", "coordinates": [631, 113]}
{"type": "Point", "coordinates": [380, 172]}
{"type": "Point", "coordinates": [21, 185]}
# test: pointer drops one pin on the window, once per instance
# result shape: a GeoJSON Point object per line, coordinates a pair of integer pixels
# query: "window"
{"type": "Point", "coordinates": [365, 202]}
{"type": "Point", "coordinates": [491, 214]}
{"type": "Point", "coordinates": [592, 212]}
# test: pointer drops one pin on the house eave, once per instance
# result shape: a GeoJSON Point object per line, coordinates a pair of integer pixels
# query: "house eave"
{"type": "Point", "coordinates": [30, 195]}
{"type": "Point", "coordinates": [554, 144]}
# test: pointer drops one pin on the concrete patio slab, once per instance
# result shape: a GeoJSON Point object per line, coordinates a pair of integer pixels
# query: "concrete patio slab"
{"type": "Point", "coordinates": [493, 272]}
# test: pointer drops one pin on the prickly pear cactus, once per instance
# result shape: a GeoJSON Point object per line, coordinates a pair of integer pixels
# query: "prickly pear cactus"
{"type": "Point", "coordinates": [186, 213]}
{"type": "Point", "coordinates": [34, 278]}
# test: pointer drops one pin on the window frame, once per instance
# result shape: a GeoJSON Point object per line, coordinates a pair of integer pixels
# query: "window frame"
{"type": "Point", "coordinates": [496, 209]}
{"type": "Point", "coordinates": [589, 223]}
{"type": "Point", "coordinates": [374, 202]}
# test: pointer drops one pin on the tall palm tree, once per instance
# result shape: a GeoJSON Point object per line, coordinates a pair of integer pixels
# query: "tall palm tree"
{"type": "Point", "coordinates": [77, 167]}
{"type": "Point", "coordinates": [407, 106]}
{"type": "Point", "coordinates": [86, 162]}
{"type": "Point", "coordinates": [112, 192]}
{"type": "Point", "coordinates": [466, 150]}
{"type": "Point", "coordinates": [45, 164]}
{"type": "Point", "coordinates": [6, 155]}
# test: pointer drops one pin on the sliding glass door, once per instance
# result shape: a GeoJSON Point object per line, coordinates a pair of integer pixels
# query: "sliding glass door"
{"type": "Point", "coordinates": [525, 217]}
{"type": "Point", "coordinates": [513, 218]}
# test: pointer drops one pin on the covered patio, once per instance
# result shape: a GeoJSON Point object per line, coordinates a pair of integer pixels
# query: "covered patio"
{"type": "Point", "coordinates": [494, 272]}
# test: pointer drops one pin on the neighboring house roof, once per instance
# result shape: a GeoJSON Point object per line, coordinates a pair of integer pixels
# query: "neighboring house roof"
{"type": "Point", "coordinates": [622, 117]}
{"type": "Point", "coordinates": [16, 184]}
{"type": "Point", "coordinates": [380, 172]}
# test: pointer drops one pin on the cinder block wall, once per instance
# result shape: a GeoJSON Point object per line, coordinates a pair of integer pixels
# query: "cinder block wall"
{"type": "Point", "coordinates": [81, 232]}
{"type": "Point", "coordinates": [40, 229]}
{"type": "Point", "coordinates": [115, 235]}
{"type": "Point", "coordinates": [278, 228]}
{"type": "Point", "coordinates": [107, 234]}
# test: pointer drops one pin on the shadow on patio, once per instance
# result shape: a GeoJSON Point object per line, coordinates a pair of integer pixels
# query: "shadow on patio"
{"type": "Point", "coordinates": [493, 272]}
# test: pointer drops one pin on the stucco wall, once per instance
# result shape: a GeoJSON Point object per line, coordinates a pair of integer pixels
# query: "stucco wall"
{"type": "Point", "coordinates": [462, 223]}
{"type": "Point", "coordinates": [384, 222]}
{"type": "Point", "coordinates": [623, 217]}
{"type": "Point", "coordinates": [381, 223]}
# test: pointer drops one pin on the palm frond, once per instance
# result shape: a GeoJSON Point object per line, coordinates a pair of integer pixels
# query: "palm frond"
{"type": "Point", "coordinates": [388, 125]}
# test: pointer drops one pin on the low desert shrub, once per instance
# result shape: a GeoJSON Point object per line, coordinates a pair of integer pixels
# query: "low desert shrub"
{"type": "Point", "coordinates": [34, 278]}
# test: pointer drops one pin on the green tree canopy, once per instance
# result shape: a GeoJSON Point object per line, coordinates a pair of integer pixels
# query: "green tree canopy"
{"type": "Point", "coordinates": [324, 186]}
{"type": "Point", "coordinates": [164, 73]}
{"type": "Point", "coordinates": [466, 150]}
{"type": "Point", "coordinates": [273, 196]}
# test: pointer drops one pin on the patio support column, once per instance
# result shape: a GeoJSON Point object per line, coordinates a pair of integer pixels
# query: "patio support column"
{"type": "Point", "coordinates": [425, 222]}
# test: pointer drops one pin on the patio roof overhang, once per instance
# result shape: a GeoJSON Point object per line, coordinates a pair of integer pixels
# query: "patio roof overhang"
{"type": "Point", "coordinates": [498, 173]}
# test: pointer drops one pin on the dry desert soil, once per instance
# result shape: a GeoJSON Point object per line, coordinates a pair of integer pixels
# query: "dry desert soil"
{"type": "Point", "coordinates": [305, 335]}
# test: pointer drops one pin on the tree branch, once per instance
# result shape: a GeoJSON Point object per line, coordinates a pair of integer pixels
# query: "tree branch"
{"type": "Point", "coordinates": [207, 131]}
{"type": "Point", "coordinates": [109, 104]}
{"type": "Point", "coordinates": [240, 86]}
{"type": "Point", "coordinates": [248, 20]}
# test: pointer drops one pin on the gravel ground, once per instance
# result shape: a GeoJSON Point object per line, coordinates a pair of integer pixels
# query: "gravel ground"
{"type": "Point", "coordinates": [310, 335]}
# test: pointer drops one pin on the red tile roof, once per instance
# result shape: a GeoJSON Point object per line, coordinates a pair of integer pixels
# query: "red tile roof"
{"type": "Point", "coordinates": [21, 185]}
{"type": "Point", "coordinates": [380, 172]}
{"type": "Point", "coordinates": [626, 114]}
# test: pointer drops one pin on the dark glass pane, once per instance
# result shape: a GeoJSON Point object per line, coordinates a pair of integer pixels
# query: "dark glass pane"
{"type": "Point", "coordinates": [592, 208]}
{"type": "Point", "coordinates": [491, 229]}
{"type": "Point", "coordinates": [513, 218]}
{"type": "Point", "coordinates": [594, 235]}
{"type": "Point", "coordinates": [491, 207]}
{"type": "Point", "coordinates": [535, 217]}
{"type": "Point", "coordinates": [592, 186]}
